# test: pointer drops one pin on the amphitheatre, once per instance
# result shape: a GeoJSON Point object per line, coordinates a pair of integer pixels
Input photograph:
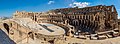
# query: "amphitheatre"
{"type": "Point", "coordinates": [89, 25]}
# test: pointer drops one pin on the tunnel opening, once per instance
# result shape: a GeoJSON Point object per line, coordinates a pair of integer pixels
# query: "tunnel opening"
{"type": "Point", "coordinates": [6, 26]}
{"type": "Point", "coordinates": [51, 41]}
{"type": "Point", "coordinates": [31, 35]}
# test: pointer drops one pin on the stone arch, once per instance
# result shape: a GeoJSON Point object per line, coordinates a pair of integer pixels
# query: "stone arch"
{"type": "Point", "coordinates": [80, 22]}
{"type": "Point", "coordinates": [92, 26]}
{"type": "Point", "coordinates": [75, 22]}
{"type": "Point", "coordinates": [96, 26]}
{"type": "Point", "coordinates": [88, 23]}
{"type": "Point", "coordinates": [6, 26]}
{"type": "Point", "coordinates": [66, 21]}
{"type": "Point", "coordinates": [31, 35]}
{"type": "Point", "coordinates": [85, 21]}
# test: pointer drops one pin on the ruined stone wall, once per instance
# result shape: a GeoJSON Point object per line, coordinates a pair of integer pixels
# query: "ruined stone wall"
{"type": "Point", "coordinates": [49, 18]}
{"type": "Point", "coordinates": [23, 14]}
{"type": "Point", "coordinates": [16, 32]}
{"type": "Point", "coordinates": [101, 17]}
{"type": "Point", "coordinates": [48, 37]}
{"type": "Point", "coordinates": [89, 19]}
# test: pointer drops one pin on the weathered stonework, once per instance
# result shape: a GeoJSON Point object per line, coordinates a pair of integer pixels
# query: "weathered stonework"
{"type": "Point", "coordinates": [96, 22]}
{"type": "Point", "coordinates": [89, 19]}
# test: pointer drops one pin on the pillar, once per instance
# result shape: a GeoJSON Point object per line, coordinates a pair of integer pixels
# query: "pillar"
{"type": "Point", "coordinates": [66, 22]}
{"type": "Point", "coordinates": [119, 27]}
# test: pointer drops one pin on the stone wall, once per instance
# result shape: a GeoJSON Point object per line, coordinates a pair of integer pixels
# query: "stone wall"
{"type": "Point", "coordinates": [89, 19]}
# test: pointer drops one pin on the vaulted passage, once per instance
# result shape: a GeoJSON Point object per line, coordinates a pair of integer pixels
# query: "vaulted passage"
{"type": "Point", "coordinates": [83, 26]}
{"type": "Point", "coordinates": [6, 26]}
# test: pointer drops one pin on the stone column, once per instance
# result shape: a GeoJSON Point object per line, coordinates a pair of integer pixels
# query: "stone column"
{"type": "Point", "coordinates": [119, 27]}
{"type": "Point", "coordinates": [66, 22]}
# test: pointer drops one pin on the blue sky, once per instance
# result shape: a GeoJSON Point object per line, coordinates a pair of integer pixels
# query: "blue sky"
{"type": "Point", "coordinates": [8, 7]}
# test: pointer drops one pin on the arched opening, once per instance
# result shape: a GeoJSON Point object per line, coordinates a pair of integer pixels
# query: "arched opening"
{"type": "Point", "coordinates": [6, 26]}
{"type": "Point", "coordinates": [51, 41]}
{"type": "Point", "coordinates": [75, 22]}
{"type": "Point", "coordinates": [31, 35]}
{"type": "Point", "coordinates": [66, 21]}
{"type": "Point", "coordinates": [10, 24]}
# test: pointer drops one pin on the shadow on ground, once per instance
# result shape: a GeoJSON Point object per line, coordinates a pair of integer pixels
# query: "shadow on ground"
{"type": "Point", "coordinates": [4, 38]}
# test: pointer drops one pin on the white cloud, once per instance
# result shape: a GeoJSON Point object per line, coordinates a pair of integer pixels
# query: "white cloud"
{"type": "Point", "coordinates": [79, 4]}
{"type": "Point", "coordinates": [118, 13]}
{"type": "Point", "coordinates": [51, 2]}
{"type": "Point", "coordinates": [118, 17]}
